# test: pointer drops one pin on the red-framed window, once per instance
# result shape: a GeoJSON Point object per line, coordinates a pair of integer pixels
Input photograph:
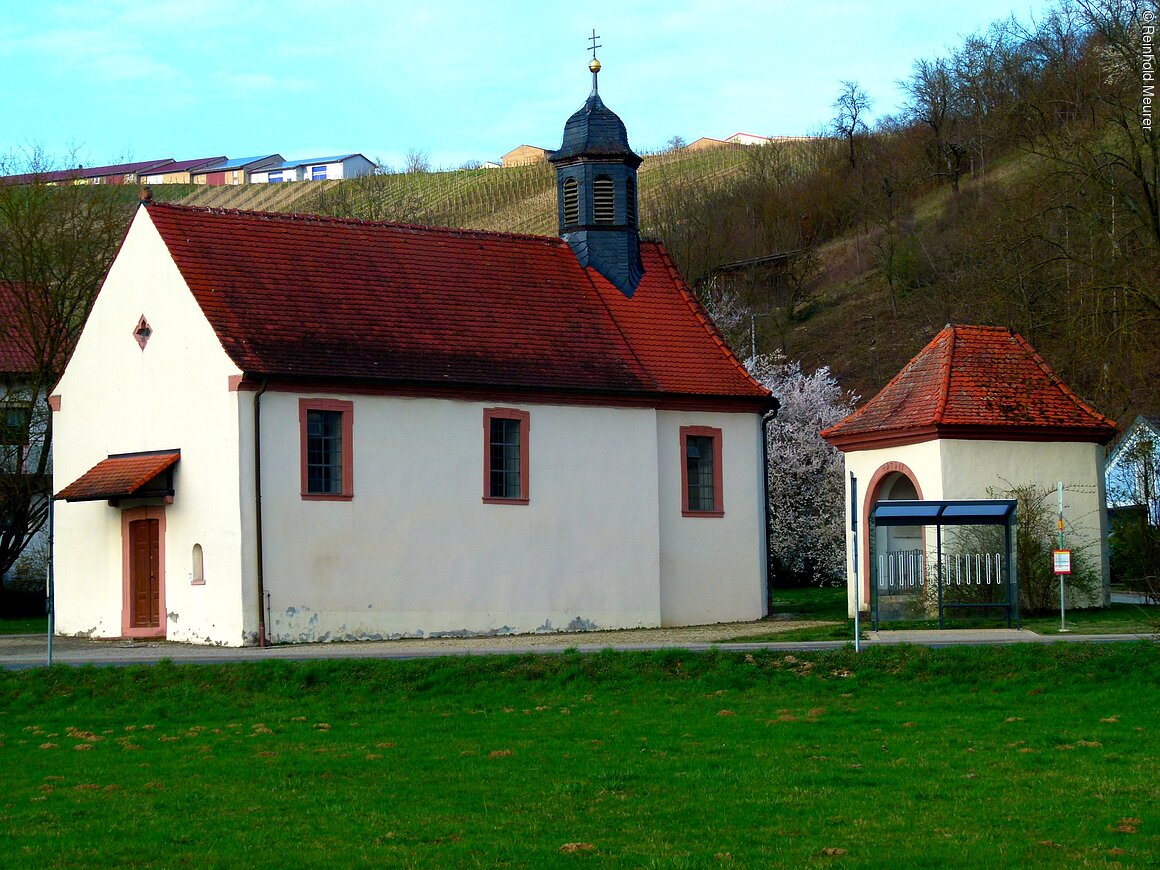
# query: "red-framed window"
{"type": "Point", "coordinates": [505, 455]}
{"type": "Point", "coordinates": [702, 489]}
{"type": "Point", "coordinates": [327, 445]}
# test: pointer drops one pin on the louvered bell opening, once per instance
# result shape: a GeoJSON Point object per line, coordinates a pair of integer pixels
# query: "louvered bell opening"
{"type": "Point", "coordinates": [630, 201]}
{"type": "Point", "coordinates": [603, 200]}
{"type": "Point", "coordinates": [571, 202]}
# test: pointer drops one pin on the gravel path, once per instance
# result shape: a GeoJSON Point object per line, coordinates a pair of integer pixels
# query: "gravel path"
{"type": "Point", "coordinates": [25, 650]}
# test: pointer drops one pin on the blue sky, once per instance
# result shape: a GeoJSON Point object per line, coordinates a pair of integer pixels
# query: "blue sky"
{"type": "Point", "coordinates": [120, 80]}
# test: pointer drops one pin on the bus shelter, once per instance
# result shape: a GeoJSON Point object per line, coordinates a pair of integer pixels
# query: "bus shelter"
{"type": "Point", "coordinates": [968, 562]}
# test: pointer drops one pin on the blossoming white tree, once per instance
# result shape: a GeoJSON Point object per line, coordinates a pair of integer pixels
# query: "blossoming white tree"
{"type": "Point", "coordinates": [806, 485]}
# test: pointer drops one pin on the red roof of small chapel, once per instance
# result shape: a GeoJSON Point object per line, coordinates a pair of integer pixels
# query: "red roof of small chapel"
{"type": "Point", "coordinates": [318, 299]}
{"type": "Point", "coordinates": [981, 382]}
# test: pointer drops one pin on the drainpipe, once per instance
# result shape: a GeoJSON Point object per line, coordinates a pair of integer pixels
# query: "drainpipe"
{"type": "Point", "coordinates": [258, 512]}
{"type": "Point", "coordinates": [766, 419]}
{"type": "Point", "coordinates": [50, 580]}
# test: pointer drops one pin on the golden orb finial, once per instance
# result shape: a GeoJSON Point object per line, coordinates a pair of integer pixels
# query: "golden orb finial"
{"type": "Point", "coordinates": [594, 65]}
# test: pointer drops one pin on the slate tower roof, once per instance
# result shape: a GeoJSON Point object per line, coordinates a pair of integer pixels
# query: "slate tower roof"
{"type": "Point", "coordinates": [594, 130]}
{"type": "Point", "coordinates": [596, 192]}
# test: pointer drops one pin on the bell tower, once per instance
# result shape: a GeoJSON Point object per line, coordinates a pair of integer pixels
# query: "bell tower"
{"type": "Point", "coordinates": [596, 194]}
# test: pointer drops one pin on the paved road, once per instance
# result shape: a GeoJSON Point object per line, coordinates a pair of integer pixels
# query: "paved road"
{"type": "Point", "coordinates": [23, 651]}
{"type": "Point", "coordinates": [1130, 598]}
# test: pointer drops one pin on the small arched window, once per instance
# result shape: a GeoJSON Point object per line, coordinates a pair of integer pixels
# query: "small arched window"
{"type": "Point", "coordinates": [571, 202]}
{"type": "Point", "coordinates": [630, 202]}
{"type": "Point", "coordinates": [197, 572]}
{"type": "Point", "coordinates": [603, 200]}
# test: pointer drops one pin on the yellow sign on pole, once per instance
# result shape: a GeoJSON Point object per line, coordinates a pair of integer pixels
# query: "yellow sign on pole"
{"type": "Point", "coordinates": [1062, 561]}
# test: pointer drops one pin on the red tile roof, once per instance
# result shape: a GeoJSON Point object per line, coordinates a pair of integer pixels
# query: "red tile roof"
{"type": "Point", "coordinates": [15, 352]}
{"type": "Point", "coordinates": [85, 172]}
{"type": "Point", "coordinates": [315, 298]}
{"type": "Point", "coordinates": [972, 382]}
{"type": "Point", "coordinates": [119, 476]}
{"type": "Point", "coordinates": [183, 165]}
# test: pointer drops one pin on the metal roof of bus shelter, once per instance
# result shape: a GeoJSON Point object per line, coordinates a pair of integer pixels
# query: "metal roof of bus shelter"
{"type": "Point", "coordinates": [956, 512]}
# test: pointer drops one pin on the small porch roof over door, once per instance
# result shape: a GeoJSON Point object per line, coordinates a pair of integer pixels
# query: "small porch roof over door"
{"type": "Point", "coordinates": [960, 512]}
{"type": "Point", "coordinates": [125, 475]}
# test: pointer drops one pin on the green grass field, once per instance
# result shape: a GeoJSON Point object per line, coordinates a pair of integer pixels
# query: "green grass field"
{"type": "Point", "coordinates": [998, 757]}
{"type": "Point", "coordinates": [24, 625]}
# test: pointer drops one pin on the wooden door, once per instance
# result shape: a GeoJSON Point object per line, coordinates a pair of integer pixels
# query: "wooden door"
{"type": "Point", "coordinates": [145, 573]}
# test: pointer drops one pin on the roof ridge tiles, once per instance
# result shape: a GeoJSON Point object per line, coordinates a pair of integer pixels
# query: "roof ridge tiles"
{"type": "Point", "coordinates": [702, 314]}
{"type": "Point", "coordinates": [589, 274]}
{"type": "Point", "coordinates": [947, 364]}
{"type": "Point", "coordinates": [306, 218]}
{"type": "Point", "coordinates": [847, 421]}
{"type": "Point", "coordinates": [1057, 381]}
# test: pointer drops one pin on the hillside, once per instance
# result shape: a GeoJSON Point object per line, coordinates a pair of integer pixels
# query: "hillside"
{"type": "Point", "coordinates": [1017, 188]}
{"type": "Point", "coordinates": [519, 199]}
{"type": "Point", "coordinates": [837, 307]}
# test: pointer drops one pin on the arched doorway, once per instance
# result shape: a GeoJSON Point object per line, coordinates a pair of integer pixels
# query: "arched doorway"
{"type": "Point", "coordinates": [896, 486]}
{"type": "Point", "coordinates": [899, 552]}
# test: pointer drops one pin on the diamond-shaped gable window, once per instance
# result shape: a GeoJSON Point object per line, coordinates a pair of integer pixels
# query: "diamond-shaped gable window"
{"type": "Point", "coordinates": [143, 332]}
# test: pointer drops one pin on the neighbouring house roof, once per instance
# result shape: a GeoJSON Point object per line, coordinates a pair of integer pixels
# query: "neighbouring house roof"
{"type": "Point", "coordinates": [240, 163]}
{"type": "Point", "coordinates": [1142, 426]}
{"type": "Point", "coordinates": [741, 136]}
{"type": "Point", "coordinates": [124, 475]}
{"type": "Point", "coordinates": [314, 161]}
{"type": "Point", "coordinates": [972, 382]}
{"type": "Point", "coordinates": [310, 299]}
{"type": "Point", "coordinates": [83, 172]}
{"type": "Point", "coordinates": [523, 154]}
{"type": "Point", "coordinates": [15, 354]}
{"type": "Point", "coordinates": [185, 165]}
{"type": "Point", "coordinates": [526, 147]}
{"type": "Point", "coordinates": [706, 142]}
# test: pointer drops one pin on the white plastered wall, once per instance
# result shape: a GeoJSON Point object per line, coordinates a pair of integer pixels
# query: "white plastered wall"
{"type": "Point", "coordinates": [418, 553]}
{"type": "Point", "coordinates": [967, 469]}
{"type": "Point", "coordinates": [712, 568]}
{"type": "Point", "coordinates": [117, 398]}
{"type": "Point", "coordinates": [971, 467]}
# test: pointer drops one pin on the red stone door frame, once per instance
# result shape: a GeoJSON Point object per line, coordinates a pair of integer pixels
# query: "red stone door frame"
{"type": "Point", "coordinates": [129, 626]}
{"type": "Point", "coordinates": [873, 489]}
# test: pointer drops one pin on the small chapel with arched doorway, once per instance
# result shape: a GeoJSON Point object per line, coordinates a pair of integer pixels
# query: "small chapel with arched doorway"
{"type": "Point", "coordinates": [974, 415]}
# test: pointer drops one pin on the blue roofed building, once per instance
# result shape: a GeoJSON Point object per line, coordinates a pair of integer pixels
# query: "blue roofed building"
{"type": "Point", "coordinates": [315, 169]}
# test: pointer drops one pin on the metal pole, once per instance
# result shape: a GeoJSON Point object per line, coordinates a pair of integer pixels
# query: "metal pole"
{"type": "Point", "coordinates": [857, 581]}
{"type": "Point", "coordinates": [50, 592]}
{"type": "Point", "coordinates": [1062, 620]}
{"type": "Point", "coordinates": [752, 335]}
{"type": "Point", "coordinates": [938, 548]}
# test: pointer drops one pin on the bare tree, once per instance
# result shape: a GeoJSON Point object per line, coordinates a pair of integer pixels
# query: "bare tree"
{"type": "Point", "coordinates": [56, 243]}
{"type": "Point", "coordinates": [416, 161]}
{"type": "Point", "coordinates": [1092, 132]}
{"type": "Point", "coordinates": [935, 103]}
{"type": "Point", "coordinates": [849, 120]}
